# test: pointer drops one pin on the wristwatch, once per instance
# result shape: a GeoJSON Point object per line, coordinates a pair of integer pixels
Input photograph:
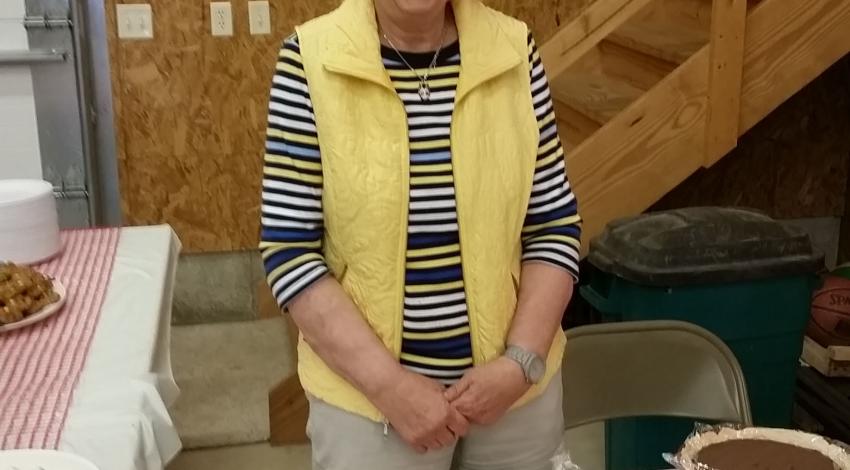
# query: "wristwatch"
{"type": "Point", "coordinates": [532, 365]}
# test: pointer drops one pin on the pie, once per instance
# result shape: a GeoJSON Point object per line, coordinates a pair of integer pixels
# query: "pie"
{"type": "Point", "coordinates": [762, 449]}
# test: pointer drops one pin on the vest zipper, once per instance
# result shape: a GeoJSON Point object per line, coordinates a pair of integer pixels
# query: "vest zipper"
{"type": "Point", "coordinates": [405, 214]}
{"type": "Point", "coordinates": [473, 327]}
{"type": "Point", "coordinates": [405, 196]}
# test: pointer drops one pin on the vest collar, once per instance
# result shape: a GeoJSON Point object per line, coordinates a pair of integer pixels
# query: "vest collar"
{"type": "Point", "coordinates": [485, 49]}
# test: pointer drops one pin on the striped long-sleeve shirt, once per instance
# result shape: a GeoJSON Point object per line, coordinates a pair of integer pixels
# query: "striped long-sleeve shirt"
{"type": "Point", "coordinates": [436, 337]}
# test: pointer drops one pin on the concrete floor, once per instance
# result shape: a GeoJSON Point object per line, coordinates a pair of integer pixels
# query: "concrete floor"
{"type": "Point", "coordinates": [586, 447]}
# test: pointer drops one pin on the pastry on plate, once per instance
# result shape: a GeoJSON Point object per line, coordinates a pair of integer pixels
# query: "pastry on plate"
{"type": "Point", "coordinates": [23, 292]}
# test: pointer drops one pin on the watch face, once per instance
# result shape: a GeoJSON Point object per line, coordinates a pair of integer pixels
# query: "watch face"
{"type": "Point", "coordinates": [536, 370]}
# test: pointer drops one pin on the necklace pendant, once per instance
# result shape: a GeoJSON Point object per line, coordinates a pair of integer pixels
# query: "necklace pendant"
{"type": "Point", "coordinates": [424, 92]}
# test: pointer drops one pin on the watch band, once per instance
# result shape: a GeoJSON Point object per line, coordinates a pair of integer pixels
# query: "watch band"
{"type": "Point", "coordinates": [532, 365]}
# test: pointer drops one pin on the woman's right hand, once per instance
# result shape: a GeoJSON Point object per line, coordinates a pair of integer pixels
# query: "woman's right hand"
{"type": "Point", "coordinates": [419, 412]}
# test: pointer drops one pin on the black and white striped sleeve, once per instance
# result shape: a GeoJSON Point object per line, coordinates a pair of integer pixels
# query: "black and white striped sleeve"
{"type": "Point", "coordinates": [292, 220]}
{"type": "Point", "coordinates": [552, 230]}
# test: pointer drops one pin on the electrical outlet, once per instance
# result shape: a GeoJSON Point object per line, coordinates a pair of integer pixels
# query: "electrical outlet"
{"type": "Point", "coordinates": [135, 21]}
{"type": "Point", "coordinates": [221, 19]}
{"type": "Point", "coordinates": [258, 17]}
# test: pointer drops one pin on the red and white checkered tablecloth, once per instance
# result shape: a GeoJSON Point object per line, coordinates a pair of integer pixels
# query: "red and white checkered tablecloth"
{"type": "Point", "coordinates": [40, 365]}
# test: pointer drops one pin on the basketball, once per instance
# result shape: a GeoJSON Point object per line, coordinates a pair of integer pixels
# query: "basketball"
{"type": "Point", "coordinates": [830, 321]}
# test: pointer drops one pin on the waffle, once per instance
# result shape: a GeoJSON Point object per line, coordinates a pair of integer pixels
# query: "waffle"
{"type": "Point", "coordinates": [23, 292]}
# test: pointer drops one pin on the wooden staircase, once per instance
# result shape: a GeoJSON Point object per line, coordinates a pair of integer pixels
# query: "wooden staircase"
{"type": "Point", "coordinates": [646, 92]}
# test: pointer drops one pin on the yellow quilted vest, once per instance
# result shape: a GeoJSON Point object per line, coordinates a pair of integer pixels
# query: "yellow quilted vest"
{"type": "Point", "coordinates": [362, 128]}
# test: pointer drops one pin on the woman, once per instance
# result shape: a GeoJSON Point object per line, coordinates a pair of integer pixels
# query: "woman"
{"type": "Point", "coordinates": [419, 228]}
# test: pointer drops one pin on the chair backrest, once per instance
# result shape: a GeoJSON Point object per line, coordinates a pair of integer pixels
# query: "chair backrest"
{"type": "Point", "coordinates": [652, 368]}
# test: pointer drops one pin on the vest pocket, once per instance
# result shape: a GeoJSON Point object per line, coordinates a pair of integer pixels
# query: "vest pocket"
{"type": "Point", "coordinates": [337, 264]}
{"type": "Point", "coordinates": [515, 281]}
{"type": "Point", "coordinates": [342, 272]}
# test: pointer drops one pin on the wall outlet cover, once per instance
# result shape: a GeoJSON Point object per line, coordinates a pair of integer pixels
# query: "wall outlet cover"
{"type": "Point", "coordinates": [259, 17]}
{"type": "Point", "coordinates": [221, 19]}
{"type": "Point", "coordinates": [135, 21]}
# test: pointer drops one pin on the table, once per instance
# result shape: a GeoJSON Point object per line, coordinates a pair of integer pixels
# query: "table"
{"type": "Point", "coordinates": [118, 417]}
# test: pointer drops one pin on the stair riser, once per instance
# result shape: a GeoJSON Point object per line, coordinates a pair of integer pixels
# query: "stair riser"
{"type": "Point", "coordinates": [638, 69]}
{"type": "Point", "coordinates": [219, 287]}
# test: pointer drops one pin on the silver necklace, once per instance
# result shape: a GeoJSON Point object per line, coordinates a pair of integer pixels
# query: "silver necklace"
{"type": "Point", "coordinates": [424, 88]}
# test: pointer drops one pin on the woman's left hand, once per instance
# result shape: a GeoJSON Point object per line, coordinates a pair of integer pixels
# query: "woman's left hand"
{"type": "Point", "coordinates": [484, 394]}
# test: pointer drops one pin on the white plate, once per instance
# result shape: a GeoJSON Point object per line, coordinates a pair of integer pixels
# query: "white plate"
{"type": "Point", "coordinates": [26, 459]}
{"type": "Point", "coordinates": [45, 312]}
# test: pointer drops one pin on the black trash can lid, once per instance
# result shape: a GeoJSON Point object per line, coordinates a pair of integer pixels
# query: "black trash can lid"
{"type": "Point", "coordinates": [702, 245]}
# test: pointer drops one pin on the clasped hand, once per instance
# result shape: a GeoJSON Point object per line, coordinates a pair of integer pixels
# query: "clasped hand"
{"type": "Point", "coordinates": [428, 416]}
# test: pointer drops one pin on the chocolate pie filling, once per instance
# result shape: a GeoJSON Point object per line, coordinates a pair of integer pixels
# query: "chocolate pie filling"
{"type": "Point", "coordinates": [752, 454]}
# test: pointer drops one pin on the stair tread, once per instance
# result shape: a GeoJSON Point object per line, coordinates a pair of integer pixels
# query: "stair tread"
{"type": "Point", "coordinates": [661, 39]}
{"type": "Point", "coordinates": [594, 94]}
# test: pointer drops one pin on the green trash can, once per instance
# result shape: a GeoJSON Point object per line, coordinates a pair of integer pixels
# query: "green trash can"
{"type": "Point", "coordinates": [735, 272]}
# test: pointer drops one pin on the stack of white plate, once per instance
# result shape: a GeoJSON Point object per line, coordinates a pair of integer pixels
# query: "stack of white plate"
{"type": "Point", "coordinates": [29, 224]}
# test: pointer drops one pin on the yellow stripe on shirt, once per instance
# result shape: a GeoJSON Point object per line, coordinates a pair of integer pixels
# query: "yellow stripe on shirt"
{"type": "Point", "coordinates": [294, 162]}
{"type": "Point", "coordinates": [292, 137]}
{"type": "Point", "coordinates": [287, 266]}
{"type": "Point", "coordinates": [554, 237]}
{"type": "Point", "coordinates": [433, 263]}
{"type": "Point", "coordinates": [425, 169]}
{"type": "Point", "coordinates": [414, 85]}
{"type": "Point", "coordinates": [419, 180]}
{"type": "Point", "coordinates": [407, 73]}
{"type": "Point", "coordinates": [433, 251]}
{"type": "Point", "coordinates": [433, 361]}
{"type": "Point", "coordinates": [437, 334]}
{"type": "Point", "coordinates": [430, 144]}
{"type": "Point", "coordinates": [289, 68]}
{"type": "Point", "coordinates": [287, 53]}
{"type": "Point", "coordinates": [557, 155]}
{"type": "Point", "coordinates": [549, 146]}
{"type": "Point", "coordinates": [270, 248]}
{"type": "Point", "coordinates": [573, 219]}
{"type": "Point", "coordinates": [424, 288]}
{"type": "Point", "coordinates": [296, 175]}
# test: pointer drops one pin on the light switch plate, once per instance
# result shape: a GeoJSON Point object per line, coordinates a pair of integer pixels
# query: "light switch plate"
{"type": "Point", "coordinates": [221, 19]}
{"type": "Point", "coordinates": [135, 21]}
{"type": "Point", "coordinates": [259, 17]}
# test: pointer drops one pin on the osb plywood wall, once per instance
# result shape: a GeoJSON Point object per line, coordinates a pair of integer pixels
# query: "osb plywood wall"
{"type": "Point", "coordinates": [191, 108]}
{"type": "Point", "coordinates": [792, 164]}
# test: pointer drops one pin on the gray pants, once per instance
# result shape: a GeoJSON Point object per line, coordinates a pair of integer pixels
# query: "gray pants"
{"type": "Point", "coordinates": [526, 438]}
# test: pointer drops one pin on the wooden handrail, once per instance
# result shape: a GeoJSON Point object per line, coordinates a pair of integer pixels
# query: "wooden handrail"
{"type": "Point", "coordinates": [583, 33]}
{"type": "Point", "coordinates": [728, 27]}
